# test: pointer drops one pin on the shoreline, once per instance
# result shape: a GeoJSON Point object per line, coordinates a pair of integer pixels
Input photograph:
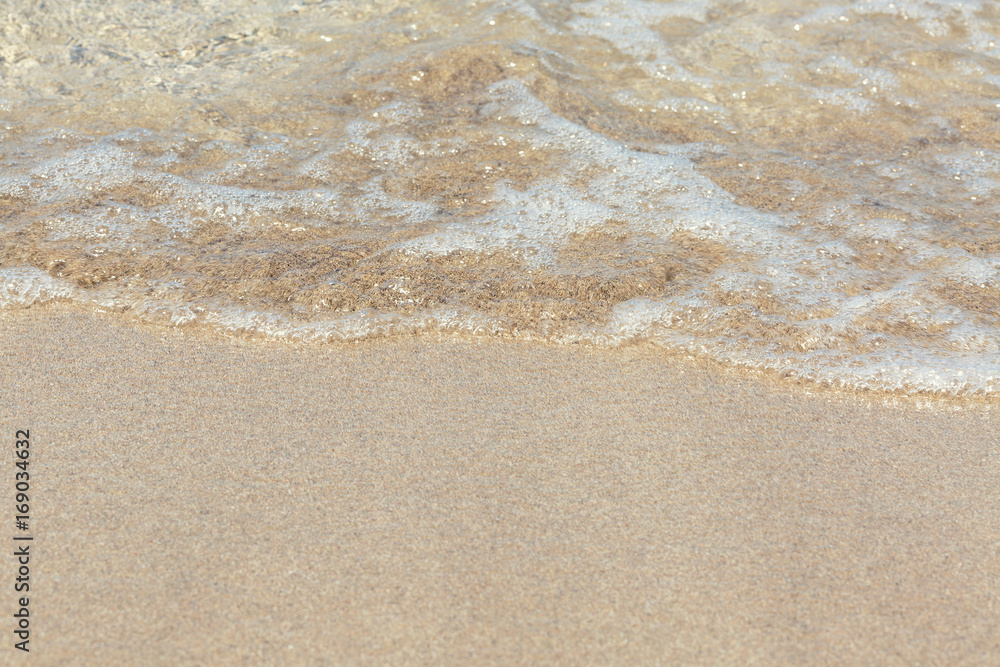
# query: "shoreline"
{"type": "Point", "coordinates": [207, 499]}
{"type": "Point", "coordinates": [211, 334]}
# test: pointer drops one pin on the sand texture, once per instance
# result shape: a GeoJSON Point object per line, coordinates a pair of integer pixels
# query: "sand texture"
{"type": "Point", "coordinates": [215, 501]}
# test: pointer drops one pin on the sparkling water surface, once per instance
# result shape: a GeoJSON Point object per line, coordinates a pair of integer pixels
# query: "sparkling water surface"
{"type": "Point", "coordinates": [810, 189]}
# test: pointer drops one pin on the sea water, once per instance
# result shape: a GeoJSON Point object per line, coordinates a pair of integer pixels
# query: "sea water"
{"type": "Point", "coordinates": [808, 187]}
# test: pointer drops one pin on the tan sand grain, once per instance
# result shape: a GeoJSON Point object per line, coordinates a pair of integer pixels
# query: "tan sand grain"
{"type": "Point", "coordinates": [204, 500]}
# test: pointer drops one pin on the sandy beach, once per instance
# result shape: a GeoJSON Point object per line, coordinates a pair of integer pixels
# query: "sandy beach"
{"type": "Point", "coordinates": [203, 500]}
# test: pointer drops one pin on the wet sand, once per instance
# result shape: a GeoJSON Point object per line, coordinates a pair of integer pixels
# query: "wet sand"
{"type": "Point", "coordinates": [205, 500]}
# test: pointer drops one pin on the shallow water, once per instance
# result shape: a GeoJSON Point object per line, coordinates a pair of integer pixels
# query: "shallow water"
{"type": "Point", "coordinates": [808, 190]}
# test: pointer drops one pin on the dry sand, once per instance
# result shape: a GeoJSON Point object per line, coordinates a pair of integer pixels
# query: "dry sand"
{"type": "Point", "coordinates": [205, 500]}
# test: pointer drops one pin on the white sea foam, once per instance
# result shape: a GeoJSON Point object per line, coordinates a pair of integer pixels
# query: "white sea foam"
{"type": "Point", "coordinates": [21, 287]}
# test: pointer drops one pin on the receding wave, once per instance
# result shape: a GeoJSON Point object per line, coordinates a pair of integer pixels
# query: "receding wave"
{"type": "Point", "coordinates": [809, 190]}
